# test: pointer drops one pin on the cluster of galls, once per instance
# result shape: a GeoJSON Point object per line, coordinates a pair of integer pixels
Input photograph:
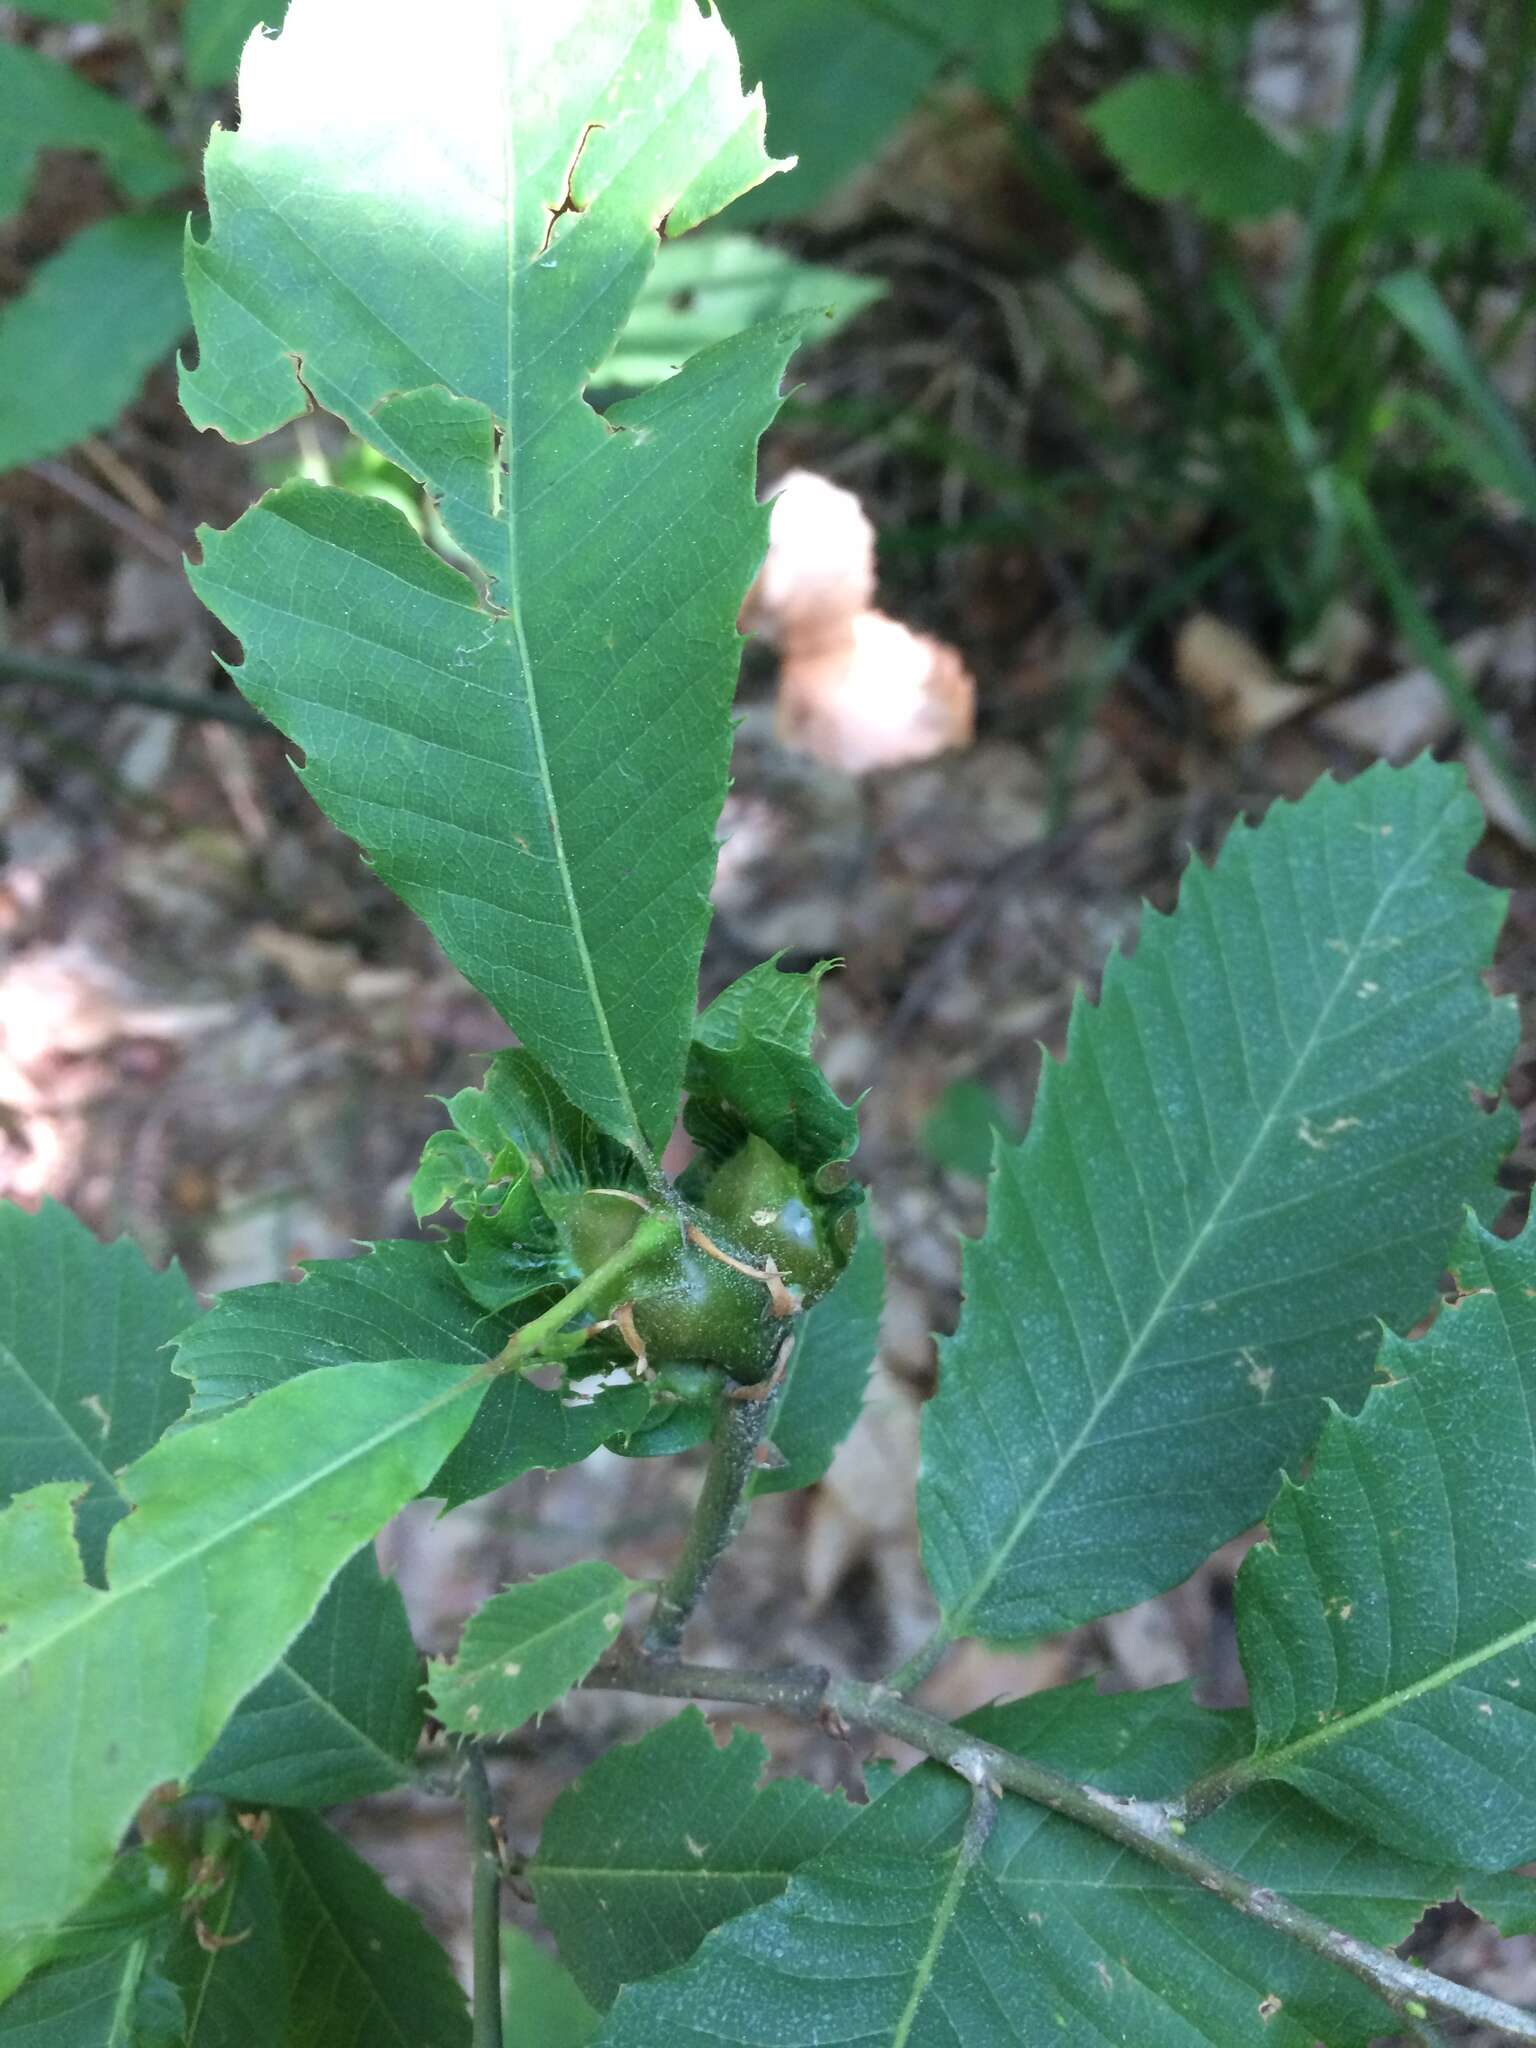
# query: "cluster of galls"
{"type": "Point", "coordinates": [756, 1243]}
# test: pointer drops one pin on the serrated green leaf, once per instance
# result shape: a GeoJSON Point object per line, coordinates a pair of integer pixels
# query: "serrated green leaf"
{"type": "Point", "coordinates": [522, 1428]}
{"type": "Point", "coordinates": [356, 1955]}
{"type": "Point", "coordinates": [214, 32]}
{"type": "Point", "coordinates": [85, 1379]}
{"type": "Point", "coordinates": [340, 1716]}
{"type": "Point", "coordinates": [46, 106]}
{"type": "Point", "coordinates": [827, 1374]}
{"type": "Point", "coordinates": [750, 1069]}
{"type": "Point", "coordinates": [893, 1935]}
{"type": "Point", "coordinates": [239, 1527]}
{"type": "Point", "coordinates": [664, 1433]}
{"type": "Point", "coordinates": [398, 1299]}
{"type": "Point", "coordinates": [663, 1839]}
{"type": "Point", "coordinates": [84, 1330]}
{"type": "Point", "coordinates": [541, 1995]}
{"type": "Point", "coordinates": [1152, 1744]}
{"type": "Point", "coordinates": [1388, 1627]}
{"type": "Point", "coordinates": [102, 1974]}
{"type": "Point", "coordinates": [234, 1988]}
{"type": "Point", "coordinates": [65, 371]}
{"type": "Point", "coordinates": [1181, 138]}
{"type": "Point", "coordinates": [450, 254]}
{"type": "Point", "coordinates": [526, 1647]}
{"type": "Point", "coordinates": [1258, 1144]}
{"type": "Point", "coordinates": [708, 287]}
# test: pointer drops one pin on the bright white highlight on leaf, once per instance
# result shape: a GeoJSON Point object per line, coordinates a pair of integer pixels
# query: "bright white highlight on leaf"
{"type": "Point", "coordinates": [445, 252]}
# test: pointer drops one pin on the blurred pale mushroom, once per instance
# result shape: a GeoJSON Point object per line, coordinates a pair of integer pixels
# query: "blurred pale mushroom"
{"type": "Point", "coordinates": [857, 690]}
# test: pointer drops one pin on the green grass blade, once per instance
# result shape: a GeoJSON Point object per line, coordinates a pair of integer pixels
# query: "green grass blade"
{"type": "Point", "coordinates": [1412, 300]}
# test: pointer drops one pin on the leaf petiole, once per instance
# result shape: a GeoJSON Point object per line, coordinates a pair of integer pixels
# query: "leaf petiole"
{"type": "Point", "coordinates": [546, 1337]}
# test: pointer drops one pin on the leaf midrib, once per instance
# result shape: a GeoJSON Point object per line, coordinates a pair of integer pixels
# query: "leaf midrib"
{"type": "Point", "coordinates": [958, 1622]}
{"type": "Point", "coordinates": [928, 1962]}
{"type": "Point", "coordinates": [100, 1474]}
{"type": "Point", "coordinates": [1272, 1762]}
{"type": "Point", "coordinates": [355, 1729]}
{"type": "Point", "coordinates": [634, 1136]}
{"type": "Point", "coordinates": [340, 1934]}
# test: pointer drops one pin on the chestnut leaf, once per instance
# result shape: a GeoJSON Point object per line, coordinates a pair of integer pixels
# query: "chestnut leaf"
{"type": "Point", "coordinates": [531, 746]}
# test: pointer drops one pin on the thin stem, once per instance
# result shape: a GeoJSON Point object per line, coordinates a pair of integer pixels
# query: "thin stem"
{"type": "Point", "coordinates": [601, 1289]}
{"type": "Point", "coordinates": [127, 521]}
{"type": "Point", "coordinates": [98, 680]}
{"type": "Point", "coordinates": [485, 1851]}
{"type": "Point", "coordinates": [740, 1427]}
{"type": "Point", "coordinates": [922, 1662]}
{"type": "Point", "coordinates": [1149, 1828]}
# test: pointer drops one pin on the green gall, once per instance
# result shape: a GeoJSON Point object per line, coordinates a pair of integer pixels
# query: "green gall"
{"type": "Point", "coordinates": [759, 1246]}
{"type": "Point", "coordinates": [689, 1306]}
{"type": "Point", "coordinates": [766, 1206]}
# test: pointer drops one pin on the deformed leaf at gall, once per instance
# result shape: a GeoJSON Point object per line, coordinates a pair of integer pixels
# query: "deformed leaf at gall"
{"type": "Point", "coordinates": [1388, 1627]}
{"type": "Point", "coordinates": [533, 753]}
{"type": "Point", "coordinates": [827, 1373]}
{"type": "Point", "coordinates": [1260, 1142]}
{"type": "Point", "coordinates": [751, 1071]}
{"type": "Point", "coordinates": [226, 1962]}
{"type": "Point", "coordinates": [526, 1647]}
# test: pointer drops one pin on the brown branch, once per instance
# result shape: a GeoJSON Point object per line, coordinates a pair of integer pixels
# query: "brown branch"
{"type": "Point", "coordinates": [740, 1427]}
{"type": "Point", "coordinates": [1149, 1828]}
